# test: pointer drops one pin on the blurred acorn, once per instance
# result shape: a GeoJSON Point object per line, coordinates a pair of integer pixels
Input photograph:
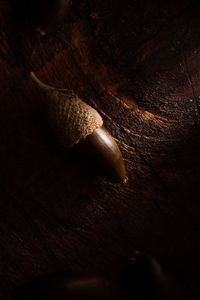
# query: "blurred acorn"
{"type": "Point", "coordinates": [77, 123]}
{"type": "Point", "coordinates": [59, 286]}
{"type": "Point", "coordinates": [50, 13]}
{"type": "Point", "coordinates": [144, 277]}
{"type": "Point", "coordinates": [42, 15]}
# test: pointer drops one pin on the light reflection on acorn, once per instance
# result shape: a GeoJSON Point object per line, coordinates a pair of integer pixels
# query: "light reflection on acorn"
{"type": "Point", "coordinates": [78, 124]}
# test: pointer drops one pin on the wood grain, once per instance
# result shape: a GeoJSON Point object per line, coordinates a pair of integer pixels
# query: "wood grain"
{"type": "Point", "coordinates": [137, 63]}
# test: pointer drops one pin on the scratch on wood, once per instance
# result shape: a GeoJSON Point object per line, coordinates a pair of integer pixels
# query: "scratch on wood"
{"type": "Point", "coordinates": [161, 27]}
{"type": "Point", "coordinates": [36, 230]}
{"type": "Point", "coordinates": [197, 110]}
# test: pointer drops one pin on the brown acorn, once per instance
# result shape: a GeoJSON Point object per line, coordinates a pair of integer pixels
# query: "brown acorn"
{"type": "Point", "coordinates": [61, 286]}
{"type": "Point", "coordinates": [76, 122]}
{"type": "Point", "coordinates": [146, 277]}
{"type": "Point", "coordinates": [49, 13]}
{"type": "Point", "coordinates": [41, 15]}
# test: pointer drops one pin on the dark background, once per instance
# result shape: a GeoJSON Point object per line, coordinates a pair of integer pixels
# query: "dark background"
{"type": "Point", "coordinates": [138, 63]}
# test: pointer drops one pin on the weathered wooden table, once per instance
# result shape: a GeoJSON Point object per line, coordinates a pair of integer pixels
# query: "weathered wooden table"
{"type": "Point", "coordinates": [138, 63]}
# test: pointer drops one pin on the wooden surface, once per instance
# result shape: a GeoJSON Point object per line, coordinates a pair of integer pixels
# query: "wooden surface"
{"type": "Point", "coordinates": [138, 64]}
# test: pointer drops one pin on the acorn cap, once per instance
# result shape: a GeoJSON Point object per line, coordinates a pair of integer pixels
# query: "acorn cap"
{"type": "Point", "coordinates": [71, 118]}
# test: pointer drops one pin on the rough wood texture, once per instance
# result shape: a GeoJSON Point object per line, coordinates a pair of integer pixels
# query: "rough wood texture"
{"type": "Point", "coordinates": [137, 62]}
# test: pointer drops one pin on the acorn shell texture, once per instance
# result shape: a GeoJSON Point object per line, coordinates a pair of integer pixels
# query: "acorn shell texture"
{"type": "Point", "coordinates": [71, 118]}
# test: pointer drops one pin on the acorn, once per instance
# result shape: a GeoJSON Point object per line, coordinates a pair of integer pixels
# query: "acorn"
{"type": "Point", "coordinates": [61, 286]}
{"type": "Point", "coordinates": [77, 123]}
{"type": "Point", "coordinates": [146, 277]}
{"type": "Point", "coordinates": [41, 15]}
{"type": "Point", "coordinates": [50, 13]}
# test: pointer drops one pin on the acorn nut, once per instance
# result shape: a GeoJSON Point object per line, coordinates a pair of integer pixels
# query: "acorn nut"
{"type": "Point", "coordinates": [75, 122]}
{"type": "Point", "coordinates": [41, 15]}
{"type": "Point", "coordinates": [146, 277]}
{"type": "Point", "coordinates": [49, 13]}
{"type": "Point", "coordinates": [61, 286]}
